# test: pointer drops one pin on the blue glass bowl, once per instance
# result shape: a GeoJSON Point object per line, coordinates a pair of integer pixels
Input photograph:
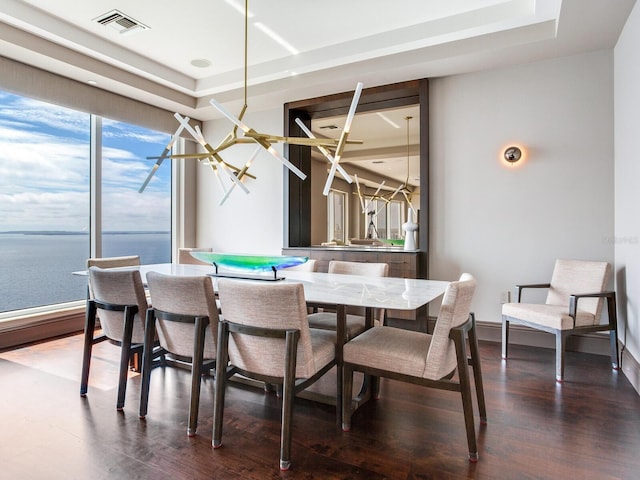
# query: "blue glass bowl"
{"type": "Point", "coordinates": [249, 263]}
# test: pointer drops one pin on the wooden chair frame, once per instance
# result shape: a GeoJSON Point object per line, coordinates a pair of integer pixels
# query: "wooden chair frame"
{"type": "Point", "coordinates": [127, 348]}
{"type": "Point", "coordinates": [198, 366]}
{"type": "Point", "coordinates": [290, 386]}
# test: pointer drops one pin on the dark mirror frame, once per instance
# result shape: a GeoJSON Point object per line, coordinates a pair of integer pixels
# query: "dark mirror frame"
{"type": "Point", "coordinates": [297, 193]}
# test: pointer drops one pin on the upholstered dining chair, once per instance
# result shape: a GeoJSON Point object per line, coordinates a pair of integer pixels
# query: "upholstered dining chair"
{"type": "Point", "coordinates": [185, 257]}
{"type": "Point", "coordinates": [120, 298]}
{"type": "Point", "coordinates": [185, 317]}
{"type": "Point", "coordinates": [308, 266]}
{"type": "Point", "coordinates": [264, 335]}
{"type": "Point", "coordinates": [574, 305]}
{"type": "Point", "coordinates": [114, 262]}
{"type": "Point", "coordinates": [355, 315]}
{"type": "Point", "coordinates": [425, 359]}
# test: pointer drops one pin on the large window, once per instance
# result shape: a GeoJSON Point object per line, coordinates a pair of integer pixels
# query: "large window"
{"type": "Point", "coordinates": [45, 200]}
{"type": "Point", "coordinates": [133, 223]}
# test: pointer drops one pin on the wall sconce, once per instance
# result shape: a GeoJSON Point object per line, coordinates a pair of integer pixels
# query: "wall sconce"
{"type": "Point", "coordinates": [512, 154]}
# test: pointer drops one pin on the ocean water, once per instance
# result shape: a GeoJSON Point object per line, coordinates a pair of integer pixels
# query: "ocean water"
{"type": "Point", "coordinates": [35, 269]}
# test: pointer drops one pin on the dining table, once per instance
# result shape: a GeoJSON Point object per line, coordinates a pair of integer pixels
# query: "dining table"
{"type": "Point", "coordinates": [339, 291]}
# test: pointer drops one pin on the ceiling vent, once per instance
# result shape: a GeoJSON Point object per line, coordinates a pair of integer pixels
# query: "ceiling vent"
{"type": "Point", "coordinates": [120, 22]}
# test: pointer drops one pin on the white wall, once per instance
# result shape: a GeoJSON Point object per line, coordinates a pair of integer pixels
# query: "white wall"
{"type": "Point", "coordinates": [627, 181]}
{"type": "Point", "coordinates": [508, 225]}
{"type": "Point", "coordinates": [246, 223]}
{"type": "Point", "coordinates": [504, 225]}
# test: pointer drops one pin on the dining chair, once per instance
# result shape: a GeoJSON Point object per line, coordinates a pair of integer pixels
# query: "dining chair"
{"type": "Point", "coordinates": [574, 304]}
{"type": "Point", "coordinates": [356, 321]}
{"type": "Point", "coordinates": [185, 317]}
{"type": "Point", "coordinates": [185, 257]}
{"type": "Point", "coordinates": [430, 360]}
{"type": "Point", "coordinates": [308, 266]}
{"type": "Point", "coordinates": [114, 262]}
{"type": "Point", "coordinates": [264, 335]}
{"type": "Point", "coordinates": [120, 298]}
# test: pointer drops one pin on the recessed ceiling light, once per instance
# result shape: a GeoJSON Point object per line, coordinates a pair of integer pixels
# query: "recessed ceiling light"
{"type": "Point", "coordinates": [92, 82]}
{"type": "Point", "coordinates": [201, 62]}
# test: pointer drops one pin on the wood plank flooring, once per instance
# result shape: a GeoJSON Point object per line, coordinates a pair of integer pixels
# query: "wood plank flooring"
{"type": "Point", "coordinates": [587, 428]}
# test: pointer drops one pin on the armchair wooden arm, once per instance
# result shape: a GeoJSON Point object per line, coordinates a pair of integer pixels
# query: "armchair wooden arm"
{"type": "Point", "coordinates": [519, 288]}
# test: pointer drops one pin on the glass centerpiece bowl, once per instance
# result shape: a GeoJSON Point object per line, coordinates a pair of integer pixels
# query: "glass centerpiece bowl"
{"type": "Point", "coordinates": [248, 266]}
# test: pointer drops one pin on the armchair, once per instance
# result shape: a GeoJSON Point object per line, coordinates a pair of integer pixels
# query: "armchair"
{"type": "Point", "coordinates": [574, 303]}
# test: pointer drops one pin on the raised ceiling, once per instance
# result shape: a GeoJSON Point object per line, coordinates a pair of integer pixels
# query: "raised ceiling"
{"type": "Point", "coordinates": [339, 43]}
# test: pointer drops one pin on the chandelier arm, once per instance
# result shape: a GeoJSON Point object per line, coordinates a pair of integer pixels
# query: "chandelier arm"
{"type": "Point", "coordinates": [323, 150]}
{"type": "Point", "coordinates": [241, 174]}
{"type": "Point", "coordinates": [165, 154]}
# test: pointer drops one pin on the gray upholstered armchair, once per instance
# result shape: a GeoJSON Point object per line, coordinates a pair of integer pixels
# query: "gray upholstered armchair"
{"type": "Point", "coordinates": [573, 306]}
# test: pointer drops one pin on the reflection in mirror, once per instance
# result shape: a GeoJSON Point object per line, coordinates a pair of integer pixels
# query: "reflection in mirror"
{"type": "Point", "coordinates": [385, 170]}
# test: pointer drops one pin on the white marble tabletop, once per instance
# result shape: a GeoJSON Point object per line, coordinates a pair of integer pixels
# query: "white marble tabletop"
{"type": "Point", "coordinates": [336, 289]}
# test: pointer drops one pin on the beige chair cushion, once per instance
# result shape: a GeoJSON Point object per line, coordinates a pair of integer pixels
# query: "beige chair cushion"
{"type": "Point", "coordinates": [552, 316]}
{"type": "Point", "coordinates": [186, 296]}
{"type": "Point", "coordinates": [578, 276]}
{"type": "Point", "coordinates": [119, 287]}
{"type": "Point", "coordinates": [308, 266]}
{"type": "Point", "coordinates": [272, 305]}
{"type": "Point", "coordinates": [391, 349]}
{"type": "Point", "coordinates": [454, 311]}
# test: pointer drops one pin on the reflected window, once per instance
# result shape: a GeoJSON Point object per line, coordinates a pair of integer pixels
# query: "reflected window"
{"type": "Point", "coordinates": [337, 208]}
{"type": "Point", "coordinates": [384, 219]}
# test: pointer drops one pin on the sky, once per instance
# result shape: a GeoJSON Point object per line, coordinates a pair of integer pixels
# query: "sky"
{"type": "Point", "coordinates": [44, 171]}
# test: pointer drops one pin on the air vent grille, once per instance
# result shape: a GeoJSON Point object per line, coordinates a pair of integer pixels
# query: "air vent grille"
{"type": "Point", "coordinates": [120, 22]}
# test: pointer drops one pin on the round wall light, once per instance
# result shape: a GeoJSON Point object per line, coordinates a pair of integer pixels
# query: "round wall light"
{"type": "Point", "coordinates": [512, 154]}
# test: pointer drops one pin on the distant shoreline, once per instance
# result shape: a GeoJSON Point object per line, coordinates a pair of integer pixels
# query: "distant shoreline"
{"type": "Point", "coordinates": [62, 232]}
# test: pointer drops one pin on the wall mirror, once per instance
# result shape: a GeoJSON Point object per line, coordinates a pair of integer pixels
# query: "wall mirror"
{"type": "Point", "coordinates": [394, 151]}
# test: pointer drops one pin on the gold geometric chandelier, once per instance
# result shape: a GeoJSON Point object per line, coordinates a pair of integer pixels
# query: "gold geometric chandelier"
{"type": "Point", "coordinates": [223, 169]}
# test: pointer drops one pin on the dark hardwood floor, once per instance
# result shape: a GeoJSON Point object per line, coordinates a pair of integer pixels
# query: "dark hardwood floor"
{"type": "Point", "coordinates": [587, 428]}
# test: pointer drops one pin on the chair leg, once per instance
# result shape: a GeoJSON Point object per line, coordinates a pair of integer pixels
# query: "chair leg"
{"type": "Point", "coordinates": [196, 368]}
{"type": "Point", "coordinates": [347, 393]}
{"type": "Point", "coordinates": [220, 383]}
{"type": "Point", "coordinates": [505, 337]}
{"type": "Point", "coordinates": [287, 399]}
{"type": "Point", "coordinates": [125, 353]}
{"type": "Point", "coordinates": [477, 372]}
{"type": "Point", "coordinates": [465, 392]}
{"type": "Point", "coordinates": [613, 332]}
{"type": "Point", "coordinates": [89, 327]}
{"type": "Point", "coordinates": [147, 360]}
{"type": "Point", "coordinates": [561, 341]}
{"type": "Point", "coordinates": [615, 355]}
